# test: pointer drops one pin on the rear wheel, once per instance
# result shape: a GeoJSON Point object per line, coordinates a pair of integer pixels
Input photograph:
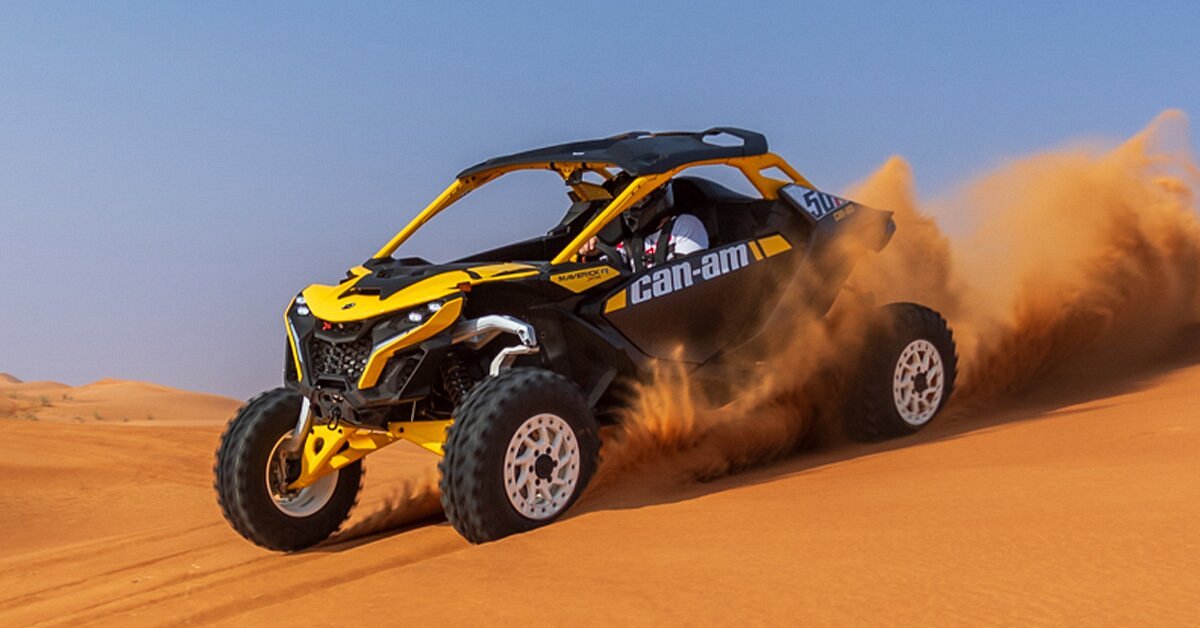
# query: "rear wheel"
{"type": "Point", "coordinates": [906, 376]}
{"type": "Point", "coordinates": [253, 472]}
{"type": "Point", "coordinates": [523, 446]}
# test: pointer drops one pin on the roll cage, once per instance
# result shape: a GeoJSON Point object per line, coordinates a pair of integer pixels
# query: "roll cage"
{"type": "Point", "coordinates": [651, 159]}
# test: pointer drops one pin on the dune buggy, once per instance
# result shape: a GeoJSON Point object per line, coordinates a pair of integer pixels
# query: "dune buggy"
{"type": "Point", "coordinates": [506, 362]}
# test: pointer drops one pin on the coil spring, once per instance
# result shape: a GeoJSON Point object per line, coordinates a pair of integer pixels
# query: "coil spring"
{"type": "Point", "coordinates": [457, 379]}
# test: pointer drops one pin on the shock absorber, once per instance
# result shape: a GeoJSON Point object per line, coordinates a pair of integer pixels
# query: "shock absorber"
{"type": "Point", "coordinates": [457, 379]}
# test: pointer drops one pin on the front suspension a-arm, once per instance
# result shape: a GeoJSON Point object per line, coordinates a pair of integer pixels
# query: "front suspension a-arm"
{"type": "Point", "coordinates": [332, 446]}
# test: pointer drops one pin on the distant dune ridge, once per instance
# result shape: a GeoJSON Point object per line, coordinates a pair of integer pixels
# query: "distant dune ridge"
{"type": "Point", "coordinates": [1062, 485]}
{"type": "Point", "coordinates": [110, 400]}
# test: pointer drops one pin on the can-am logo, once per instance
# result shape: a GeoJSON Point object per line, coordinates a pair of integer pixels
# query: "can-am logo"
{"type": "Point", "coordinates": [684, 274]}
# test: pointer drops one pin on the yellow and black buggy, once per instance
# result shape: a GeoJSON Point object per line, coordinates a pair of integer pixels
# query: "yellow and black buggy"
{"type": "Point", "coordinates": [507, 361]}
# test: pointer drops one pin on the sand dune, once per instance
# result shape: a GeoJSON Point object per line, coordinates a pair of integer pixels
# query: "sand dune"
{"type": "Point", "coordinates": [1081, 509]}
{"type": "Point", "coordinates": [111, 400]}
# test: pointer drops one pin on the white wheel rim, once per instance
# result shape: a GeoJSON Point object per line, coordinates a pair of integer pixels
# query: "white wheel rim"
{"type": "Point", "coordinates": [302, 502]}
{"type": "Point", "coordinates": [919, 382]}
{"type": "Point", "coordinates": [541, 466]}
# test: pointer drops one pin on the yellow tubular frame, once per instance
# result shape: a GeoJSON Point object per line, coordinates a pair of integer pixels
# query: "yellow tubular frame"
{"type": "Point", "coordinates": [751, 167]}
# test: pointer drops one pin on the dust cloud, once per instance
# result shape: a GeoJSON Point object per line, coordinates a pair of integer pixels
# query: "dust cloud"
{"type": "Point", "coordinates": [1078, 259]}
{"type": "Point", "coordinates": [414, 501]}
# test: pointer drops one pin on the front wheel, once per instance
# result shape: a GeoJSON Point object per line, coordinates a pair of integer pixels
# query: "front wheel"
{"type": "Point", "coordinates": [906, 375]}
{"type": "Point", "coordinates": [520, 452]}
{"type": "Point", "coordinates": [252, 473]}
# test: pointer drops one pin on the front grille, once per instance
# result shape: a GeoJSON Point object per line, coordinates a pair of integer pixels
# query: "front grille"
{"type": "Point", "coordinates": [344, 329]}
{"type": "Point", "coordinates": [345, 359]}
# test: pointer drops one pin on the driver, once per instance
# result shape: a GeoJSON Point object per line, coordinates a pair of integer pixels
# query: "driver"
{"type": "Point", "coordinates": [653, 229]}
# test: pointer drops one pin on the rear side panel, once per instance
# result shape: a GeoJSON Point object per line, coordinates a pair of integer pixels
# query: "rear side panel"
{"type": "Point", "coordinates": [691, 308]}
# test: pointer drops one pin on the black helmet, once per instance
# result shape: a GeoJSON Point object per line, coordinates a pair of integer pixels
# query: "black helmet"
{"type": "Point", "coordinates": [645, 216]}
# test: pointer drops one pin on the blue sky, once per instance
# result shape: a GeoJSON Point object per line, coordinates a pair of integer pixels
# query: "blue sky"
{"type": "Point", "coordinates": [172, 173]}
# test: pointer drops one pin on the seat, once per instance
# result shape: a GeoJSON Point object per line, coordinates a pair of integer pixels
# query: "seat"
{"type": "Point", "coordinates": [727, 215]}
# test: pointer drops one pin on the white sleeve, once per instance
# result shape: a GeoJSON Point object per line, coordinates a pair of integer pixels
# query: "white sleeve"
{"type": "Point", "coordinates": [688, 235]}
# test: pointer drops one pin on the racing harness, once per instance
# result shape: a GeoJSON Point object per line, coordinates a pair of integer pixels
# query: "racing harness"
{"type": "Point", "coordinates": [635, 247]}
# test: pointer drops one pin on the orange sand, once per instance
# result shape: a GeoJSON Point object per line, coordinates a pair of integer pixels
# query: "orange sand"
{"type": "Point", "coordinates": [1081, 510]}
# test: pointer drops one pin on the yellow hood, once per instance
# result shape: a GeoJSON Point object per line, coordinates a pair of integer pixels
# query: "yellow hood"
{"type": "Point", "coordinates": [347, 301]}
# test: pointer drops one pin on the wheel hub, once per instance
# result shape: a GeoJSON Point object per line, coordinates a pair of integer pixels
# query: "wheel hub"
{"type": "Point", "coordinates": [541, 466]}
{"type": "Point", "coordinates": [282, 470]}
{"type": "Point", "coordinates": [918, 383]}
{"type": "Point", "coordinates": [544, 466]}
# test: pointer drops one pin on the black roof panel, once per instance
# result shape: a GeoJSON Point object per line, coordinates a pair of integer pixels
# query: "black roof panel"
{"type": "Point", "coordinates": [638, 153]}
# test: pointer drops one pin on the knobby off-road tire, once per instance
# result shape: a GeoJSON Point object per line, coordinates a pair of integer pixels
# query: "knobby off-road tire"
{"type": "Point", "coordinates": [523, 446]}
{"type": "Point", "coordinates": [285, 521]}
{"type": "Point", "coordinates": [906, 374]}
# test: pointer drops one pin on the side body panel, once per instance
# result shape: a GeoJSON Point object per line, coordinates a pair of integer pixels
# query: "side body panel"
{"type": "Point", "coordinates": [691, 308]}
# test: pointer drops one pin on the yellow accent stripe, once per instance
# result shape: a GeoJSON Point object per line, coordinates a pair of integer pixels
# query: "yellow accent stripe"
{"type": "Point", "coordinates": [436, 323]}
{"type": "Point", "coordinates": [615, 303]}
{"type": "Point", "coordinates": [287, 326]}
{"type": "Point", "coordinates": [508, 269]}
{"type": "Point", "coordinates": [758, 254]}
{"type": "Point", "coordinates": [774, 245]}
{"type": "Point", "coordinates": [511, 275]}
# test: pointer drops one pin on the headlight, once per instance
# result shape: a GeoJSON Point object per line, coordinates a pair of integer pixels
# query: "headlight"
{"type": "Point", "coordinates": [419, 314]}
{"type": "Point", "coordinates": [301, 305]}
